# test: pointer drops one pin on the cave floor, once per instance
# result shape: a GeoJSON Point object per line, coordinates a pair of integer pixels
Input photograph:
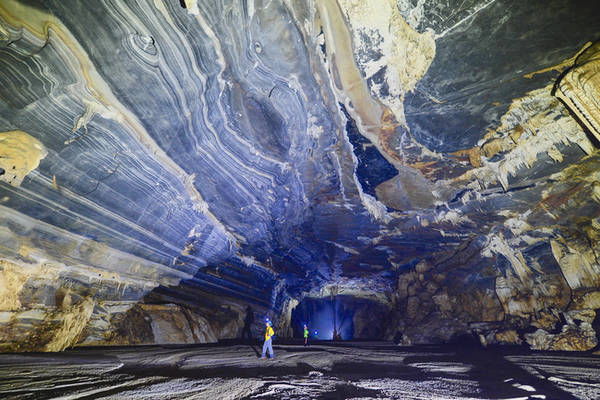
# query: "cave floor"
{"type": "Point", "coordinates": [365, 370]}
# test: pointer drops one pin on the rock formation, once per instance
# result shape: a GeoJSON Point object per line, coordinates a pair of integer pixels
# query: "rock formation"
{"type": "Point", "coordinates": [578, 88]}
{"type": "Point", "coordinates": [431, 168]}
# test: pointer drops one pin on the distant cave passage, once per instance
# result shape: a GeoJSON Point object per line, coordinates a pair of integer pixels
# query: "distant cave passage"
{"type": "Point", "coordinates": [352, 317]}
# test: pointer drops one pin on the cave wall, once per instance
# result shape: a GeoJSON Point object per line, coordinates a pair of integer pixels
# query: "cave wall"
{"type": "Point", "coordinates": [166, 164]}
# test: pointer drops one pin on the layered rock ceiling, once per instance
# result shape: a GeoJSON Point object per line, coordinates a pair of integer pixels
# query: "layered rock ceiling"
{"type": "Point", "coordinates": [429, 167]}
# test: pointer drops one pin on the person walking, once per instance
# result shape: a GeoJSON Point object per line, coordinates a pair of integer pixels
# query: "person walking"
{"type": "Point", "coordinates": [268, 345]}
{"type": "Point", "coordinates": [305, 335]}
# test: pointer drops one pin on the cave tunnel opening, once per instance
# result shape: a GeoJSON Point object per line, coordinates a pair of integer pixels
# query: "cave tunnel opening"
{"type": "Point", "coordinates": [348, 316]}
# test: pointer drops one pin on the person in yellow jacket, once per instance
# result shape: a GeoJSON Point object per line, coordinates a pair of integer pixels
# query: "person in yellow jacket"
{"type": "Point", "coordinates": [268, 345]}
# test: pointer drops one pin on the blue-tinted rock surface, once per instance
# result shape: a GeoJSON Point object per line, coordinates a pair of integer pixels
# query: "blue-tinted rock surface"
{"type": "Point", "coordinates": [201, 157]}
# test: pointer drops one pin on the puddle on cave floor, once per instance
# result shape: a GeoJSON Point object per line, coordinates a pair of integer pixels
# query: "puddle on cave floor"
{"type": "Point", "coordinates": [325, 370]}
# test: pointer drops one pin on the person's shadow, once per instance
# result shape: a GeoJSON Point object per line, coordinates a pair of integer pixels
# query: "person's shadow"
{"type": "Point", "coordinates": [247, 332]}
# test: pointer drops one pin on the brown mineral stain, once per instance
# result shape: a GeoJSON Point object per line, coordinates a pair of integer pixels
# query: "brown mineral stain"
{"type": "Point", "coordinates": [474, 155]}
{"type": "Point", "coordinates": [73, 320]}
{"type": "Point", "coordinates": [515, 135]}
{"type": "Point", "coordinates": [12, 280]}
{"type": "Point", "coordinates": [20, 153]}
{"type": "Point", "coordinates": [494, 147]}
{"type": "Point", "coordinates": [187, 250]}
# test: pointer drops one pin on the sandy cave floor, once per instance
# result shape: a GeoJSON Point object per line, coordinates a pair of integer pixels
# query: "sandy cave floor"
{"type": "Point", "coordinates": [359, 370]}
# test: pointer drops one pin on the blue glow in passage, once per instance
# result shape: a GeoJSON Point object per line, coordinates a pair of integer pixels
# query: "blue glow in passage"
{"type": "Point", "coordinates": [323, 316]}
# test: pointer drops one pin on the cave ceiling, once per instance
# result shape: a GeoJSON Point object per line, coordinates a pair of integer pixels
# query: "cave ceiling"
{"type": "Point", "coordinates": [265, 150]}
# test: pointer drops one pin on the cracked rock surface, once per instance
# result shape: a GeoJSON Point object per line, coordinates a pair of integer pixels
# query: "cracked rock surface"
{"type": "Point", "coordinates": [359, 370]}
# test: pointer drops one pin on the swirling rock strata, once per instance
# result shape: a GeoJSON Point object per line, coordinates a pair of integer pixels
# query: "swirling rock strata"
{"type": "Point", "coordinates": [165, 165]}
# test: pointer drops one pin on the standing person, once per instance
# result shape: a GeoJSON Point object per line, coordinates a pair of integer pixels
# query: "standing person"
{"type": "Point", "coordinates": [305, 335]}
{"type": "Point", "coordinates": [268, 345]}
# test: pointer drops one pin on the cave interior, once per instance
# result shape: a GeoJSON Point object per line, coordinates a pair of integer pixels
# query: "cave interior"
{"type": "Point", "coordinates": [417, 172]}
